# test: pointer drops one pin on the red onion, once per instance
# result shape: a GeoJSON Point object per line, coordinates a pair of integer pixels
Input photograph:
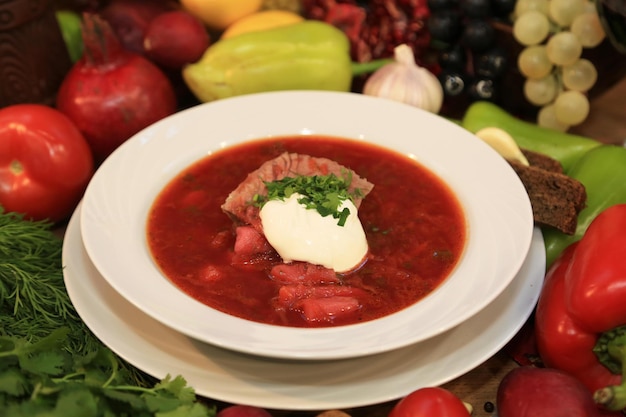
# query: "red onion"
{"type": "Point", "coordinates": [112, 93]}
{"type": "Point", "coordinates": [130, 19]}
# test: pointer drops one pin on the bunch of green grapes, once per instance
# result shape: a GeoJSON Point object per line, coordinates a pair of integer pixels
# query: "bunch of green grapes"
{"type": "Point", "coordinates": [554, 34]}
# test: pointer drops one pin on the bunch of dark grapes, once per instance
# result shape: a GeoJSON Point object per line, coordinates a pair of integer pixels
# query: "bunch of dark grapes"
{"type": "Point", "coordinates": [464, 35]}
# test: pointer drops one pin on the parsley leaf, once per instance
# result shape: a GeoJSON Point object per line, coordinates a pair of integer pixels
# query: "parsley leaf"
{"type": "Point", "coordinates": [92, 385]}
{"type": "Point", "coordinates": [324, 193]}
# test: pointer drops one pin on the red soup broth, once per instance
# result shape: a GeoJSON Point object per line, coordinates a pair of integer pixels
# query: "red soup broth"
{"type": "Point", "coordinates": [414, 224]}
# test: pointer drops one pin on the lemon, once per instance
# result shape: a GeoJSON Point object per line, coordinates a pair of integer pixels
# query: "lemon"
{"type": "Point", "coordinates": [219, 14]}
{"type": "Point", "coordinates": [262, 20]}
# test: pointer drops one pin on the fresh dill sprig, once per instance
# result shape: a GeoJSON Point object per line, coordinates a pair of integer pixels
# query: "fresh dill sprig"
{"type": "Point", "coordinates": [33, 300]}
{"type": "Point", "coordinates": [30, 270]}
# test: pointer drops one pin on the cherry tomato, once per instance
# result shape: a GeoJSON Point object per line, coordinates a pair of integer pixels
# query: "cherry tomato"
{"type": "Point", "coordinates": [430, 402]}
{"type": "Point", "coordinates": [240, 410]}
{"type": "Point", "coordinates": [45, 162]}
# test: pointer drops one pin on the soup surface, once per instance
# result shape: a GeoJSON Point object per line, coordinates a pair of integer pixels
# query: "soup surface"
{"type": "Point", "coordinates": [415, 229]}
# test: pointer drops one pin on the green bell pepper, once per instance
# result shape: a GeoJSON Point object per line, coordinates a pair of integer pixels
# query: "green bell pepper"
{"type": "Point", "coordinates": [564, 147]}
{"type": "Point", "coordinates": [309, 55]}
{"type": "Point", "coordinates": [602, 171]}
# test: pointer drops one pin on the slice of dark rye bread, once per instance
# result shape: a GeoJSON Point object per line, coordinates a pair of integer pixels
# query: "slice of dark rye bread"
{"type": "Point", "coordinates": [556, 199]}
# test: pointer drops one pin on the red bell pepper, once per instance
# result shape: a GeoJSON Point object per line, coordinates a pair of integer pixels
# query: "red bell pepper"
{"type": "Point", "coordinates": [580, 321]}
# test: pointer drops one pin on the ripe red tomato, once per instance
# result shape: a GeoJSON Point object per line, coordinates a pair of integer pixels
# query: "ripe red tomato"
{"type": "Point", "coordinates": [430, 402]}
{"type": "Point", "coordinates": [45, 162]}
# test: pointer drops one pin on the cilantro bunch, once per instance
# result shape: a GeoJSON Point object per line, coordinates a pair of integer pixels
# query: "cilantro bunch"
{"type": "Point", "coordinates": [43, 379]}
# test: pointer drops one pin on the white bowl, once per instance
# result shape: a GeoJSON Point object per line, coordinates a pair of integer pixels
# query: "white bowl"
{"type": "Point", "coordinates": [495, 204]}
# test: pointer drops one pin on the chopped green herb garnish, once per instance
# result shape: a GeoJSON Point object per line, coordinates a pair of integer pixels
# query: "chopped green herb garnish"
{"type": "Point", "coordinates": [324, 193]}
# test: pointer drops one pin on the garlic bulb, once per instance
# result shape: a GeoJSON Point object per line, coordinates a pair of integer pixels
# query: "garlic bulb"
{"type": "Point", "coordinates": [405, 81]}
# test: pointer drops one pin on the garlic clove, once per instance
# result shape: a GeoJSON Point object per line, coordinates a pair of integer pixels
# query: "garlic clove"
{"type": "Point", "coordinates": [405, 81]}
{"type": "Point", "coordinates": [503, 143]}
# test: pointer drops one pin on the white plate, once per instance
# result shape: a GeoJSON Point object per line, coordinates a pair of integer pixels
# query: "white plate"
{"type": "Point", "coordinates": [296, 385]}
{"type": "Point", "coordinates": [496, 205]}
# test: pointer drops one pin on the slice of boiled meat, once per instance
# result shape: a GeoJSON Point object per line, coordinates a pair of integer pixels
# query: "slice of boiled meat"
{"type": "Point", "coordinates": [320, 303]}
{"type": "Point", "coordinates": [289, 295]}
{"type": "Point", "coordinates": [238, 203]}
{"type": "Point", "coordinates": [303, 273]}
{"type": "Point", "coordinates": [327, 310]}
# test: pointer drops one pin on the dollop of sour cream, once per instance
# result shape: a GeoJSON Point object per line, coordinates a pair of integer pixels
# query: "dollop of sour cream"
{"type": "Point", "coordinates": [301, 234]}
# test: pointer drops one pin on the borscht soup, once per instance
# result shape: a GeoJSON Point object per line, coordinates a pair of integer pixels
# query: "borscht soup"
{"type": "Point", "coordinates": [307, 231]}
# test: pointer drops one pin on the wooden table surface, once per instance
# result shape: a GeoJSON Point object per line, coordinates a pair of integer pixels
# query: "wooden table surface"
{"type": "Point", "coordinates": [607, 118]}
